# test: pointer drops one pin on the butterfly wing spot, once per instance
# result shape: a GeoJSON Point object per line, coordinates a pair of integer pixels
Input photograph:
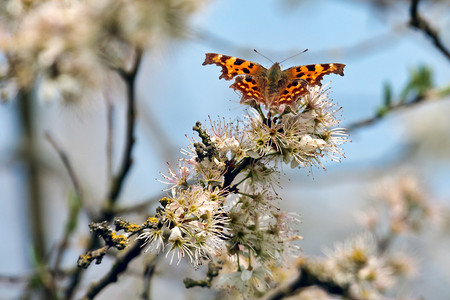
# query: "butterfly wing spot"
{"type": "Point", "coordinates": [239, 62]}
{"type": "Point", "coordinates": [269, 87]}
{"type": "Point", "coordinates": [313, 74]}
{"type": "Point", "coordinates": [291, 92]}
{"type": "Point", "coordinates": [232, 66]}
{"type": "Point", "coordinates": [249, 89]}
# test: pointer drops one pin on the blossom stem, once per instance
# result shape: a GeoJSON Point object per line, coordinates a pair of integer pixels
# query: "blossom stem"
{"type": "Point", "coordinates": [247, 195]}
{"type": "Point", "coordinates": [238, 262]}
{"type": "Point", "coordinates": [243, 179]}
{"type": "Point", "coordinates": [230, 175]}
{"type": "Point", "coordinates": [273, 153]}
{"type": "Point", "coordinates": [261, 113]}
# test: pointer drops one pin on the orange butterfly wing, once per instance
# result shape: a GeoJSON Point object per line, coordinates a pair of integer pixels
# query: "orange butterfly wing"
{"type": "Point", "coordinates": [254, 85]}
{"type": "Point", "coordinates": [291, 92]}
{"type": "Point", "coordinates": [232, 66]}
{"type": "Point", "coordinates": [313, 74]}
{"type": "Point", "coordinates": [249, 88]}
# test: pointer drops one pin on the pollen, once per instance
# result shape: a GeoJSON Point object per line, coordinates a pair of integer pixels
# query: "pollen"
{"type": "Point", "coordinates": [152, 220]}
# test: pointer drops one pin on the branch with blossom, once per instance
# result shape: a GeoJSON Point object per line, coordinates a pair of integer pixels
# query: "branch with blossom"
{"type": "Point", "coordinates": [65, 51]}
{"type": "Point", "coordinates": [221, 207]}
{"type": "Point", "coordinates": [369, 265]}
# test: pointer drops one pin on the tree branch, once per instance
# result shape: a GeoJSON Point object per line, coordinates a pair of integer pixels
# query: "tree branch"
{"type": "Point", "coordinates": [149, 271]}
{"type": "Point", "coordinates": [66, 162]}
{"type": "Point", "coordinates": [118, 268]}
{"type": "Point", "coordinates": [416, 21]}
{"type": "Point", "coordinates": [400, 105]}
{"type": "Point", "coordinates": [73, 207]}
{"type": "Point", "coordinates": [138, 207]}
{"type": "Point", "coordinates": [34, 194]}
{"type": "Point", "coordinates": [307, 279]}
{"type": "Point", "coordinates": [118, 180]}
{"type": "Point", "coordinates": [231, 175]}
{"type": "Point", "coordinates": [109, 138]}
{"type": "Point", "coordinates": [116, 185]}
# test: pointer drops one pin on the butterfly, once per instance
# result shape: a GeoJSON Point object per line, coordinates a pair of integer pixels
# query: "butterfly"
{"type": "Point", "coordinates": [273, 87]}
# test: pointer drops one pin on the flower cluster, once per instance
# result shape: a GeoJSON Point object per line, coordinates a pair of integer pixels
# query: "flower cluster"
{"type": "Point", "coordinates": [368, 266]}
{"type": "Point", "coordinates": [409, 208]}
{"type": "Point", "coordinates": [221, 206]}
{"type": "Point", "coordinates": [355, 263]}
{"type": "Point", "coordinates": [64, 48]}
{"type": "Point", "coordinates": [303, 137]}
{"type": "Point", "coordinates": [196, 223]}
{"type": "Point", "coordinates": [358, 267]}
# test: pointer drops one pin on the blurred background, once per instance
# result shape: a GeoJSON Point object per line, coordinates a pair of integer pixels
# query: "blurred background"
{"type": "Point", "coordinates": [383, 54]}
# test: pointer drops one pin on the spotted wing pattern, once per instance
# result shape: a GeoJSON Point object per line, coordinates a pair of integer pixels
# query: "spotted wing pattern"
{"type": "Point", "coordinates": [291, 92]}
{"type": "Point", "coordinates": [250, 89]}
{"type": "Point", "coordinates": [232, 66]}
{"type": "Point", "coordinates": [313, 74]}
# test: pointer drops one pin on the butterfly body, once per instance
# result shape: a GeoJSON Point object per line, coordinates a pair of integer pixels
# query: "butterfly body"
{"type": "Point", "coordinates": [271, 87]}
{"type": "Point", "coordinates": [275, 78]}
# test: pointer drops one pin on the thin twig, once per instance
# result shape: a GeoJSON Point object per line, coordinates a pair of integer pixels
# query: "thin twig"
{"type": "Point", "coordinates": [149, 271]}
{"type": "Point", "coordinates": [66, 162]}
{"type": "Point", "coordinates": [73, 212]}
{"type": "Point", "coordinates": [14, 279]}
{"type": "Point", "coordinates": [139, 207]}
{"type": "Point", "coordinates": [400, 105]}
{"type": "Point", "coordinates": [118, 180]}
{"type": "Point", "coordinates": [116, 185]}
{"type": "Point", "coordinates": [109, 138]}
{"type": "Point", "coordinates": [417, 21]}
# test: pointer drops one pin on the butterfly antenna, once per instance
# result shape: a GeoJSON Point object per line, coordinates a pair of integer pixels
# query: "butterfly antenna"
{"type": "Point", "coordinates": [294, 56]}
{"type": "Point", "coordinates": [263, 56]}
